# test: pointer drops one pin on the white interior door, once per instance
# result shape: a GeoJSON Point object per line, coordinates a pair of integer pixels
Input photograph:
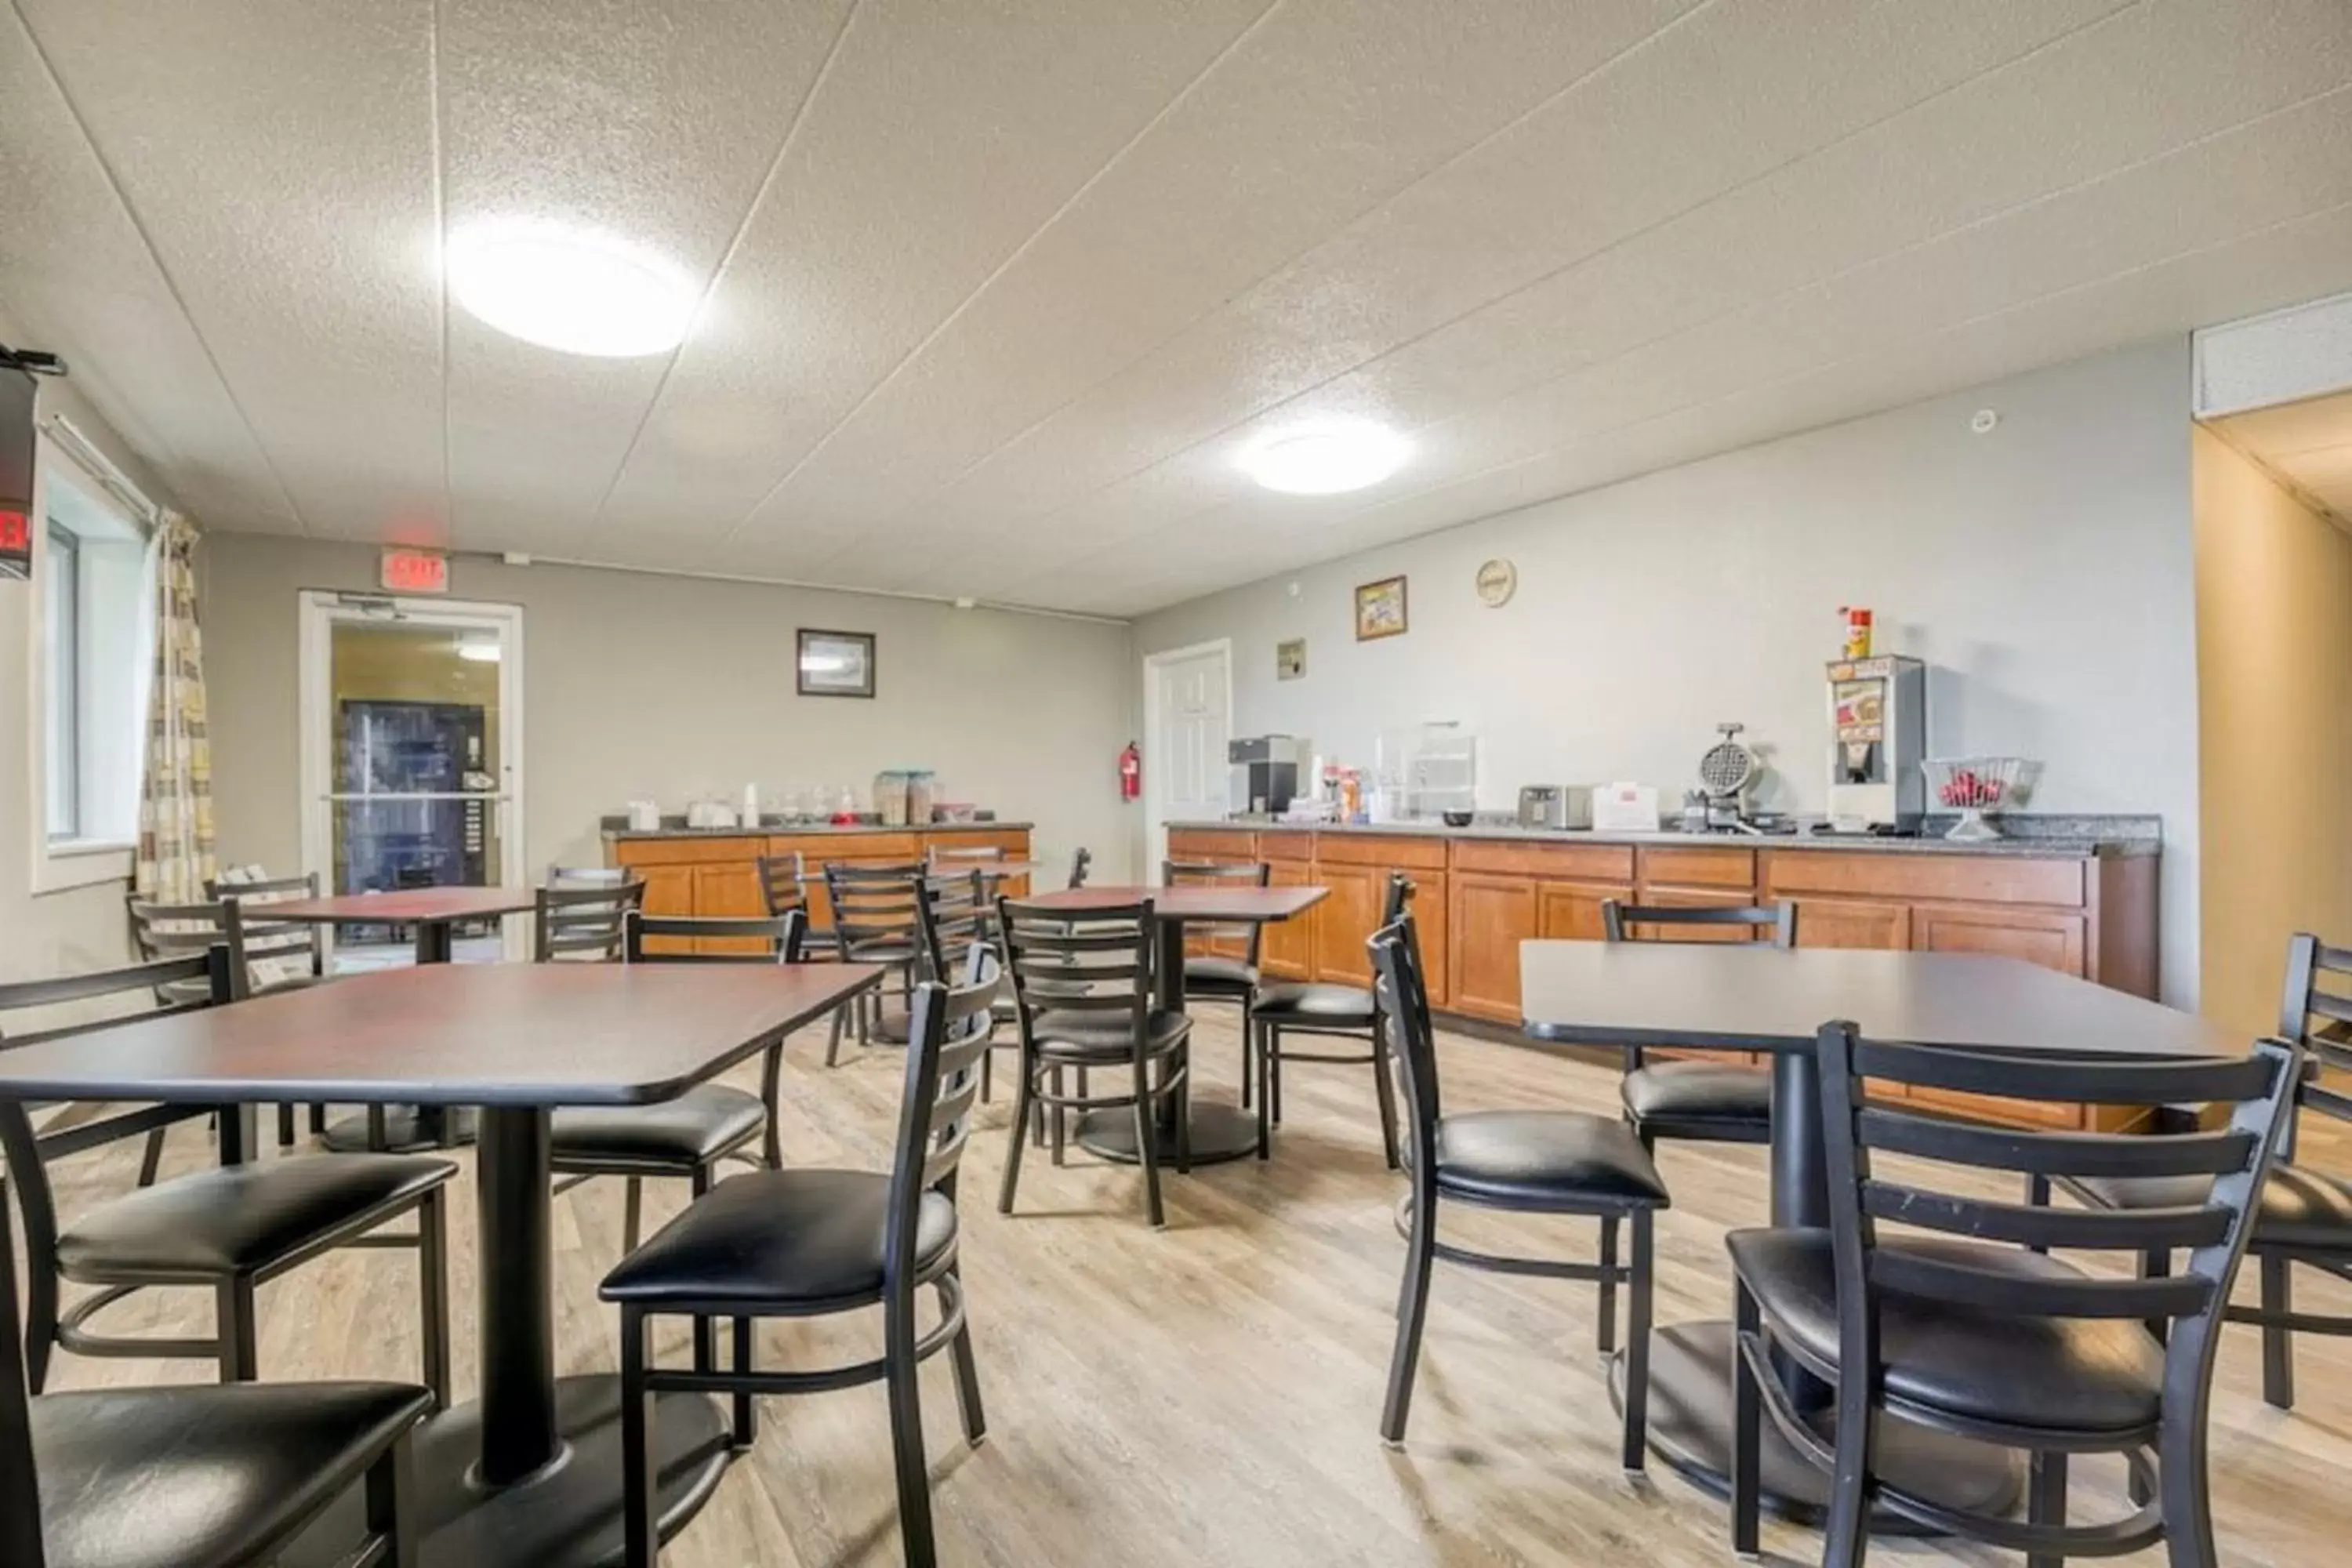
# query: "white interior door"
{"type": "Point", "coordinates": [412, 753]}
{"type": "Point", "coordinates": [1188, 697]}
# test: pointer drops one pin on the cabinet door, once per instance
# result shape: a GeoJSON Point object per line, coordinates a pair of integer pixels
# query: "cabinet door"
{"type": "Point", "coordinates": [1491, 915]}
{"type": "Point", "coordinates": [1433, 916]}
{"type": "Point", "coordinates": [729, 892]}
{"type": "Point", "coordinates": [1289, 950]}
{"type": "Point", "coordinates": [670, 890]}
{"type": "Point", "coordinates": [2051, 938]}
{"type": "Point", "coordinates": [1346, 920]}
{"type": "Point", "coordinates": [1853, 923]}
{"type": "Point", "coordinates": [1571, 910]}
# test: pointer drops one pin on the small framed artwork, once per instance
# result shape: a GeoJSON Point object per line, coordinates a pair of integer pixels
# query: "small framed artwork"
{"type": "Point", "coordinates": [1379, 609]}
{"type": "Point", "coordinates": [837, 664]}
{"type": "Point", "coordinates": [1290, 659]}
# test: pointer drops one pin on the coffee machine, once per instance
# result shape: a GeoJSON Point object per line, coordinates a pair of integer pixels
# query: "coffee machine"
{"type": "Point", "coordinates": [1878, 732]}
{"type": "Point", "coordinates": [1267, 773]}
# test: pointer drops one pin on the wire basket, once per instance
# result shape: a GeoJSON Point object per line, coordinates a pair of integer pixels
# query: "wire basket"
{"type": "Point", "coordinates": [1979, 789]}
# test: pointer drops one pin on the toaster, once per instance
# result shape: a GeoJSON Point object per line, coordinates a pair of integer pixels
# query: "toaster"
{"type": "Point", "coordinates": [1555, 805]}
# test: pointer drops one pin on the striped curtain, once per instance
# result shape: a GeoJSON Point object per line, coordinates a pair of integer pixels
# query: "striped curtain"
{"type": "Point", "coordinates": [175, 797]}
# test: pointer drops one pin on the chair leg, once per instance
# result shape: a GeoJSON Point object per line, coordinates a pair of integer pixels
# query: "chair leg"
{"type": "Point", "coordinates": [747, 1414]}
{"type": "Point", "coordinates": [286, 1127]}
{"type": "Point", "coordinates": [967, 1372]}
{"type": "Point", "coordinates": [1253, 1046]}
{"type": "Point", "coordinates": [987, 1075]}
{"type": "Point", "coordinates": [1181, 1065]}
{"type": "Point", "coordinates": [1146, 1143]}
{"type": "Point", "coordinates": [379, 1136]}
{"type": "Point", "coordinates": [2278, 1344]}
{"type": "Point", "coordinates": [632, 1214]}
{"type": "Point", "coordinates": [1412, 1309]}
{"type": "Point", "coordinates": [771, 1079]}
{"type": "Point", "coordinates": [2046, 1502]}
{"type": "Point", "coordinates": [152, 1162]}
{"type": "Point", "coordinates": [1024, 1105]}
{"type": "Point", "coordinates": [2180, 1472]}
{"type": "Point", "coordinates": [240, 1358]}
{"type": "Point", "coordinates": [706, 1330]}
{"type": "Point", "coordinates": [1746, 1429]}
{"type": "Point", "coordinates": [1637, 1342]}
{"type": "Point", "coordinates": [1384, 1093]}
{"type": "Point", "coordinates": [318, 1121]}
{"type": "Point", "coordinates": [638, 1544]}
{"type": "Point", "coordinates": [1604, 1336]}
{"type": "Point", "coordinates": [2037, 1196]}
{"type": "Point", "coordinates": [832, 1040]}
{"type": "Point", "coordinates": [1057, 1118]}
{"type": "Point", "coordinates": [432, 1304]}
{"type": "Point", "coordinates": [920, 1549]}
{"type": "Point", "coordinates": [390, 1506]}
{"type": "Point", "coordinates": [1274, 1074]}
{"type": "Point", "coordinates": [1845, 1525]}
{"type": "Point", "coordinates": [40, 1318]}
{"type": "Point", "coordinates": [1264, 1093]}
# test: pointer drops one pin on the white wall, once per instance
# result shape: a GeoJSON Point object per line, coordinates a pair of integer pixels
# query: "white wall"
{"type": "Point", "coordinates": [2043, 570]}
{"type": "Point", "coordinates": [666, 688]}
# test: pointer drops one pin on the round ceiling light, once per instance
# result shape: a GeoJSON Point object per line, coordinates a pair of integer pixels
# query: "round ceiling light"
{"type": "Point", "coordinates": [572, 289]}
{"type": "Point", "coordinates": [1325, 458]}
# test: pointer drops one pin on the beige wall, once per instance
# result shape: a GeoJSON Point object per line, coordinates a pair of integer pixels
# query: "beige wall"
{"type": "Point", "coordinates": [2275, 690]}
{"type": "Point", "coordinates": [640, 686]}
{"type": "Point", "coordinates": [79, 928]}
{"type": "Point", "coordinates": [2043, 570]}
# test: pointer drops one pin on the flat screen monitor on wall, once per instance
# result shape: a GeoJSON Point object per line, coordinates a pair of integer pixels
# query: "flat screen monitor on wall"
{"type": "Point", "coordinates": [15, 472]}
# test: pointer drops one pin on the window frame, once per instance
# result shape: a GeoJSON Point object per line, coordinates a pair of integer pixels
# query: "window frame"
{"type": "Point", "coordinates": [60, 864]}
{"type": "Point", "coordinates": [63, 776]}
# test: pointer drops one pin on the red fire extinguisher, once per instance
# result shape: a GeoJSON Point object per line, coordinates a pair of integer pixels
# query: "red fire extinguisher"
{"type": "Point", "coordinates": [1131, 771]}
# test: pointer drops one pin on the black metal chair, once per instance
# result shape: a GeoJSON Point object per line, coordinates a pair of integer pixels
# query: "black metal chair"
{"type": "Point", "coordinates": [685, 1139]}
{"type": "Point", "coordinates": [1348, 1012]}
{"type": "Point", "coordinates": [1525, 1161]}
{"type": "Point", "coordinates": [2305, 1215]}
{"type": "Point", "coordinates": [1971, 1329]}
{"type": "Point", "coordinates": [173, 931]}
{"type": "Point", "coordinates": [813, 1243]}
{"type": "Point", "coordinates": [222, 1476]}
{"type": "Point", "coordinates": [576, 920]}
{"type": "Point", "coordinates": [874, 922]}
{"type": "Point", "coordinates": [1218, 976]}
{"type": "Point", "coordinates": [952, 911]}
{"type": "Point", "coordinates": [784, 885]}
{"type": "Point", "coordinates": [228, 1229]}
{"type": "Point", "coordinates": [1085, 986]}
{"type": "Point", "coordinates": [1714, 1100]}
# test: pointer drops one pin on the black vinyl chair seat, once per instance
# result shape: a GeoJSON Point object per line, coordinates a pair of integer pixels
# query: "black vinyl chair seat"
{"type": "Point", "coordinates": [705, 1122]}
{"type": "Point", "coordinates": [1301, 1004]}
{"type": "Point", "coordinates": [1063, 1032]}
{"type": "Point", "coordinates": [780, 1236]}
{"type": "Point", "coordinates": [202, 1477]}
{"type": "Point", "coordinates": [1712, 1094]}
{"type": "Point", "coordinates": [2099, 1374]}
{"type": "Point", "coordinates": [2301, 1209]}
{"type": "Point", "coordinates": [236, 1217]}
{"type": "Point", "coordinates": [1208, 971]}
{"type": "Point", "coordinates": [1544, 1156]}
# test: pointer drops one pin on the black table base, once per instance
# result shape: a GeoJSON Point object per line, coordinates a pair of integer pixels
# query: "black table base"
{"type": "Point", "coordinates": [1220, 1134]}
{"type": "Point", "coordinates": [407, 1130]}
{"type": "Point", "coordinates": [1691, 1429]}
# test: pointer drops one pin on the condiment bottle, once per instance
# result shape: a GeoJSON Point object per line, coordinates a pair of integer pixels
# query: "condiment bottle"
{"type": "Point", "coordinates": [1857, 631]}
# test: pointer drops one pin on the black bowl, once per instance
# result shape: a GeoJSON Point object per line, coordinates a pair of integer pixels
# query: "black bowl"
{"type": "Point", "coordinates": [1458, 818]}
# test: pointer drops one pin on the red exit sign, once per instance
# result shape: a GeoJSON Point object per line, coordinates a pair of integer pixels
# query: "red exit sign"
{"type": "Point", "coordinates": [415, 572]}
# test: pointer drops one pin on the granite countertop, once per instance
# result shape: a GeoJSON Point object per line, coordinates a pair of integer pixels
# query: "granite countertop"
{"type": "Point", "coordinates": [2028, 834]}
{"type": "Point", "coordinates": [617, 829]}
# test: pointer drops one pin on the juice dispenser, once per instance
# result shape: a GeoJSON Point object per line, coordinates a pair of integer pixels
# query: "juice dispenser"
{"type": "Point", "coordinates": [1878, 729]}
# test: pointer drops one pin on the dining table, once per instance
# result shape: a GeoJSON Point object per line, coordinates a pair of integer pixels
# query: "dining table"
{"type": "Point", "coordinates": [1218, 1132]}
{"type": "Point", "coordinates": [435, 912]}
{"type": "Point", "coordinates": [528, 1474]}
{"type": "Point", "coordinates": [1754, 997]}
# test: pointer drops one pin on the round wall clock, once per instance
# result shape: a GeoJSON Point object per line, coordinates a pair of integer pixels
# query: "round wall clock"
{"type": "Point", "coordinates": [1497, 581]}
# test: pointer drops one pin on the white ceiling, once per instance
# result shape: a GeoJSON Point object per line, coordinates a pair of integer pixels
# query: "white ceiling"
{"type": "Point", "coordinates": [2307, 444]}
{"type": "Point", "coordinates": [998, 289]}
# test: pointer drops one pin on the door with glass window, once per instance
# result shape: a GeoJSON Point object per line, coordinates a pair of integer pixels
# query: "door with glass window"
{"type": "Point", "coordinates": [411, 758]}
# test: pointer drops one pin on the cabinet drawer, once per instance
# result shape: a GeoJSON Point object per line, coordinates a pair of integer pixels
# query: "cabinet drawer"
{"type": "Point", "coordinates": [1403, 851]}
{"type": "Point", "coordinates": [2051, 938]}
{"type": "Point", "coordinates": [1693, 868]}
{"type": "Point", "coordinates": [1013, 841]}
{"type": "Point", "coordinates": [1286, 844]}
{"type": "Point", "coordinates": [684, 851]}
{"type": "Point", "coordinates": [817, 850]}
{"type": "Point", "coordinates": [1210, 843]}
{"type": "Point", "coordinates": [1958, 878]}
{"type": "Point", "coordinates": [1529, 858]}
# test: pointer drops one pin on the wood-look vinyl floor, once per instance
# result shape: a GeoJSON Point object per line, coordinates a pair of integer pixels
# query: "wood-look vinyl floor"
{"type": "Point", "coordinates": [1210, 1393]}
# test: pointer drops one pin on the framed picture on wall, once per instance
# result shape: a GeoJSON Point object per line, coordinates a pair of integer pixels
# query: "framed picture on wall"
{"type": "Point", "coordinates": [1290, 660]}
{"type": "Point", "coordinates": [1379, 609]}
{"type": "Point", "coordinates": [835, 664]}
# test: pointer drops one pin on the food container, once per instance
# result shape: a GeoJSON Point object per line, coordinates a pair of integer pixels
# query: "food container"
{"type": "Point", "coordinates": [1979, 789]}
{"type": "Point", "coordinates": [922, 794]}
{"type": "Point", "coordinates": [891, 798]}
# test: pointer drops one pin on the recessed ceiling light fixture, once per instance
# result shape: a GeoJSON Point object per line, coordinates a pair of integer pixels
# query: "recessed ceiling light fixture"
{"type": "Point", "coordinates": [1325, 457]}
{"type": "Point", "coordinates": [570, 288]}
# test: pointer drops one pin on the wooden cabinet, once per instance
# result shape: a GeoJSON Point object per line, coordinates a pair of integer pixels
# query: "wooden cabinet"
{"type": "Point", "coordinates": [670, 890]}
{"type": "Point", "coordinates": [1852, 923]}
{"type": "Point", "coordinates": [728, 891]}
{"type": "Point", "coordinates": [2051, 938]}
{"type": "Point", "coordinates": [1288, 952]}
{"type": "Point", "coordinates": [1491, 914]}
{"type": "Point", "coordinates": [1571, 912]}
{"type": "Point", "coordinates": [1344, 921]}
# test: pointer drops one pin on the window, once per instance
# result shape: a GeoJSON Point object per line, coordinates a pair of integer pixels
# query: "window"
{"type": "Point", "coordinates": [94, 647]}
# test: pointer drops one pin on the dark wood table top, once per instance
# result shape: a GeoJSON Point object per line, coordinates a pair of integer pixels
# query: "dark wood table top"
{"type": "Point", "coordinates": [463, 1034]}
{"type": "Point", "coordinates": [1228, 905]}
{"type": "Point", "coordinates": [1751, 996]}
{"type": "Point", "coordinates": [409, 906]}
